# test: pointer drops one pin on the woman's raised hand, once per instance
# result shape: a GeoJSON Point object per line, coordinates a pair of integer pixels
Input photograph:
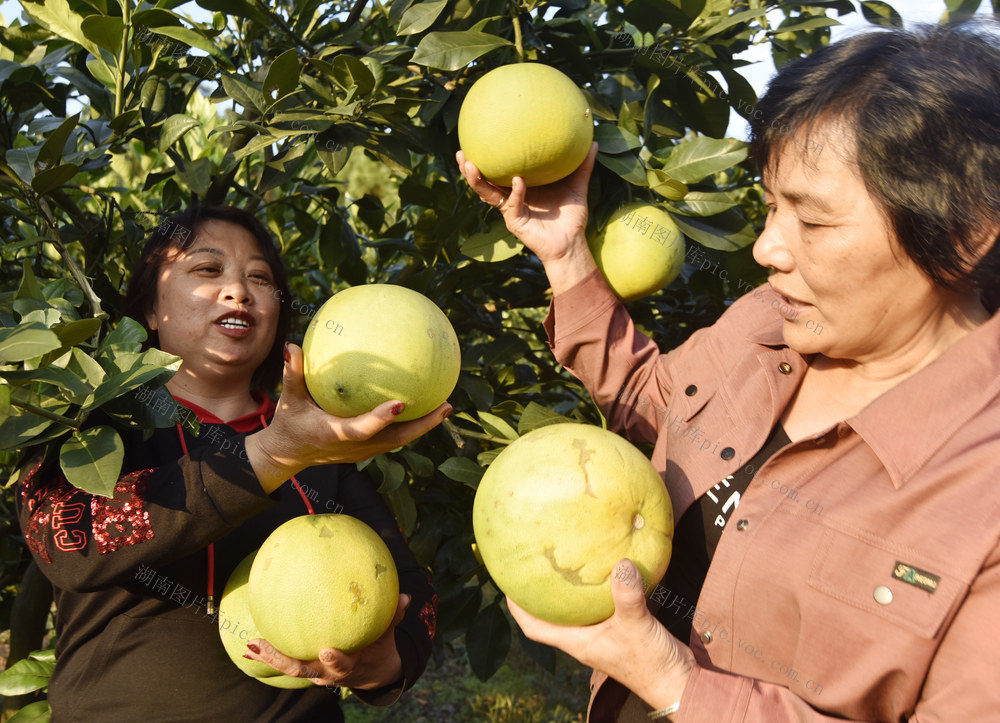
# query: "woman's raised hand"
{"type": "Point", "coordinates": [303, 435]}
{"type": "Point", "coordinates": [550, 220]}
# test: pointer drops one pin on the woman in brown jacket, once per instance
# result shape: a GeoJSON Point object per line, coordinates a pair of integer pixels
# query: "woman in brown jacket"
{"type": "Point", "coordinates": [836, 555]}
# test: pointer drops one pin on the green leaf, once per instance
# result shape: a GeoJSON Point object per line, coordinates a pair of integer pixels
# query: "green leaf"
{"type": "Point", "coordinates": [494, 244]}
{"type": "Point", "coordinates": [626, 165]}
{"type": "Point", "coordinates": [701, 203]}
{"type": "Point", "coordinates": [86, 367]}
{"type": "Point", "coordinates": [92, 460]}
{"type": "Point", "coordinates": [693, 160]}
{"type": "Point", "coordinates": [62, 378]}
{"type": "Point", "coordinates": [105, 31]}
{"type": "Point", "coordinates": [420, 465]}
{"type": "Point", "coordinates": [419, 17]}
{"type": "Point", "coordinates": [244, 91]}
{"type": "Point", "coordinates": [127, 336]}
{"type": "Point", "coordinates": [814, 22]}
{"type": "Point", "coordinates": [22, 161]}
{"type": "Point", "coordinates": [25, 676]}
{"type": "Point", "coordinates": [283, 74]}
{"type": "Point", "coordinates": [488, 641]}
{"type": "Point", "coordinates": [45, 181]}
{"type": "Point", "coordinates": [37, 712]}
{"type": "Point", "coordinates": [663, 184]}
{"type": "Point", "coordinates": [880, 13]}
{"type": "Point", "coordinates": [29, 287]}
{"type": "Point", "coordinates": [497, 426]}
{"type": "Point", "coordinates": [57, 16]}
{"type": "Point", "coordinates": [726, 231]}
{"type": "Point", "coordinates": [462, 469]}
{"type": "Point", "coordinates": [193, 39]}
{"type": "Point", "coordinates": [174, 128]}
{"type": "Point", "coordinates": [614, 139]}
{"type": "Point", "coordinates": [4, 403]}
{"type": "Point", "coordinates": [52, 150]}
{"type": "Point", "coordinates": [26, 341]}
{"type": "Point", "coordinates": [535, 416]}
{"type": "Point", "coordinates": [393, 473]}
{"type": "Point", "coordinates": [720, 23]}
{"type": "Point", "coordinates": [353, 75]}
{"type": "Point", "coordinates": [455, 49]}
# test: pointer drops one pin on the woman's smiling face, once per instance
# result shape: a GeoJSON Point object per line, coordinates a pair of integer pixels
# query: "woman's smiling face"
{"type": "Point", "coordinates": [216, 305]}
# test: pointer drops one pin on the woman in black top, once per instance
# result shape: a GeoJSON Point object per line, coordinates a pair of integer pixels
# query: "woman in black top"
{"type": "Point", "coordinates": [137, 577]}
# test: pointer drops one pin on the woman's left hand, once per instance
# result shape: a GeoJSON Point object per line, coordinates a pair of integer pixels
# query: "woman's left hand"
{"type": "Point", "coordinates": [631, 646]}
{"type": "Point", "coordinates": [372, 667]}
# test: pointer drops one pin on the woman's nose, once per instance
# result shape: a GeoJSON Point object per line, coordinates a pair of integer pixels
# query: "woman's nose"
{"type": "Point", "coordinates": [237, 289]}
{"type": "Point", "coordinates": [770, 249]}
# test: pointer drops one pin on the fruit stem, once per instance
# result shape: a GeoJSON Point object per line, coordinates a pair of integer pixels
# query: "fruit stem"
{"type": "Point", "coordinates": [518, 43]}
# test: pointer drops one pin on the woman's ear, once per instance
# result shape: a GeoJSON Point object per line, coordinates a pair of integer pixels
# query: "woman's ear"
{"type": "Point", "coordinates": [151, 319]}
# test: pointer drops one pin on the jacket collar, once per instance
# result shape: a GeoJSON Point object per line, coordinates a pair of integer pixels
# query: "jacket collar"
{"type": "Point", "coordinates": [906, 425]}
{"type": "Point", "coordinates": [247, 423]}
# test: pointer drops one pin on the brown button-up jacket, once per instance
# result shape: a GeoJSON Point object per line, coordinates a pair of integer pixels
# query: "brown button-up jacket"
{"type": "Point", "coordinates": [860, 577]}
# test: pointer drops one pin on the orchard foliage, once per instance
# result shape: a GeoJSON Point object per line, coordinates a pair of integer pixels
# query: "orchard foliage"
{"type": "Point", "coordinates": [114, 114]}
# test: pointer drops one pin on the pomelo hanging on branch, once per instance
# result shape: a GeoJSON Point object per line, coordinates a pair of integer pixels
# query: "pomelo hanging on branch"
{"type": "Point", "coordinates": [528, 120]}
{"type": "Point", "coordinates": [639, 250]}
{"type": "Point", "coordinates": [556, 511]}
{"type": "Point", "coordinates": [370, 344]}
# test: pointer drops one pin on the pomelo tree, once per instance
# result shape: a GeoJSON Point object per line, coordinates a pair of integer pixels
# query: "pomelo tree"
{"type": "Point", "coordinates": [335, 123]}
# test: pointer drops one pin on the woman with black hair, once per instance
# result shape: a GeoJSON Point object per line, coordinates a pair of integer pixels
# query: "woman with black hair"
{"type": "Point", "coordinates": [137, 577]}
{"type": "Point", "coordinates": [837, 553]}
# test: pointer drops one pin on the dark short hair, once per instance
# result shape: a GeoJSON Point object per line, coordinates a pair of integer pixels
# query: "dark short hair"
{"type": "Point", "coordinates": [177, 233]}
{"type": "Point", "coordinates": [924, 106]}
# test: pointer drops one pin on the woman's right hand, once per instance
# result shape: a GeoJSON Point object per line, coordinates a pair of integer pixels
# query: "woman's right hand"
{"type": "Point", "coordinates": [550, 220]}
{"type": "Point", "coordinates": [302, 435]}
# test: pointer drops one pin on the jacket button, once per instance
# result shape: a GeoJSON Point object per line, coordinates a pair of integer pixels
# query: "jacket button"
{"type": "Point", "coordinates": [691, 390]}
{"type": "Point", "coordinates": [742, 525]}
{"type": "Point", "coordinates": [727, 453]}
{"type": "Point", "coordinates": [785, 368]}
{"type": "Point", "coordinates": [882, 595]}
{"type": "Point", "coordinates": [706, 637]}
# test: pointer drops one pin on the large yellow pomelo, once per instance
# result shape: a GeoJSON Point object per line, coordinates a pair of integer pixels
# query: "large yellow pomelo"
{"type": "Point", "coordinates": [323, 581]}
{"type": "Point", "coordinates": [528, 120]}
{"type": "Point", "coordinates": [640, 250]}
{"type": "Point", "coordinates": [556, 511]}
{"type": "Point", "coordinates": [237, 628]}
{"type": "Point", "coordinates": [370, 344]}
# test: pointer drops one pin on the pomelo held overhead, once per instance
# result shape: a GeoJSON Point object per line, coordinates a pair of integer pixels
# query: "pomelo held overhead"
{"type": "Point", "coordinates": [557, 510]}
{"type": "Point", "coordinates": [371, 344]}
{"type": "Point", "coordinates": [528, 120]}
{"type": "Point", "coordinates": [323, 581]}
{"type": "Point", "coordinates": [237, 628]}
{"type": "Point", "coordinates": [640, 250]}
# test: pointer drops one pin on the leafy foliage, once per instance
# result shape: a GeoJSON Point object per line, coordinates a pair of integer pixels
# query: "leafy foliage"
{"type": "Point", "coordinates": [115, 114]}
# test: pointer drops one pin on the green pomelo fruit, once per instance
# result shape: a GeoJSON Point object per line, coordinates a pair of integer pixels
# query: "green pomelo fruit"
{"type": "Point", "coordinates": [323, 581]}
{"type": "Point", "coordinates": [528, 120]}
{"type": "Point", "coordinates": [236, 628]}
{"type": "Point", "coordinates": [557, 510]}
{"type": "Point", "coordinates": [640, 250]}
{"type": "Point", "coordinates": [370, 344]}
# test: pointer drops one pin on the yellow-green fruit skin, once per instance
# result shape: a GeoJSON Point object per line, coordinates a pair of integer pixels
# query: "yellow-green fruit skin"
{"type": "Point", "coordinates": [237, 628]}
{"type": "Point", "coordinates": [528, 120]}
{"type": "Point", "coordinates": [640, 250]}
{"type": "Point", "coordinates": [323, 581]}
{"type": "Point", "coordinates": [557, 510]}
{"type": "Point", "coordinates": [370, 344]}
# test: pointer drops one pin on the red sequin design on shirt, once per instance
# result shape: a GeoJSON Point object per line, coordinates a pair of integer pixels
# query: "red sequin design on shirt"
{"type": "Point", "coordinates": [122, 521]}
{"type": "Point", "coordinates": [428, 614]}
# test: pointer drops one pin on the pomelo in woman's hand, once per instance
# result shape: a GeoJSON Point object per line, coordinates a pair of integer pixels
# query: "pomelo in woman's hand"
{"type": "Point", "coordinates": [370, 344]}
{"type": "Point", "coordinates": [323, 581]}
{"type": "Point", "coordinates": [557, 510]}
{"type": "Point", "coordinates": [237, 628]}
{"type": "Point", "coordinates": [640, 250]}
{"type": "Point", "coordinates": [528, 120]}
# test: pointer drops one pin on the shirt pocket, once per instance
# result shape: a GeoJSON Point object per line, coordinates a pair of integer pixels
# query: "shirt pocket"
{"type": "Point", "coordinates": [863, 570]}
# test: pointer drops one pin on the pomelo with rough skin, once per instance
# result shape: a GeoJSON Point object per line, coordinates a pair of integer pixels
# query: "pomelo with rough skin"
{"type": "Point", "coordinates": [557, 510]}
{"type": "Point", "coordinates": [639, 250]}
{"type": "Point", "coordinates": [323, 581]}
{"type": "Point", "coordinates": [528, 120]}
{"type": "Point", "coordinates": [237, 628]}
{"type": "Point", "coordinates": [370, 344]}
